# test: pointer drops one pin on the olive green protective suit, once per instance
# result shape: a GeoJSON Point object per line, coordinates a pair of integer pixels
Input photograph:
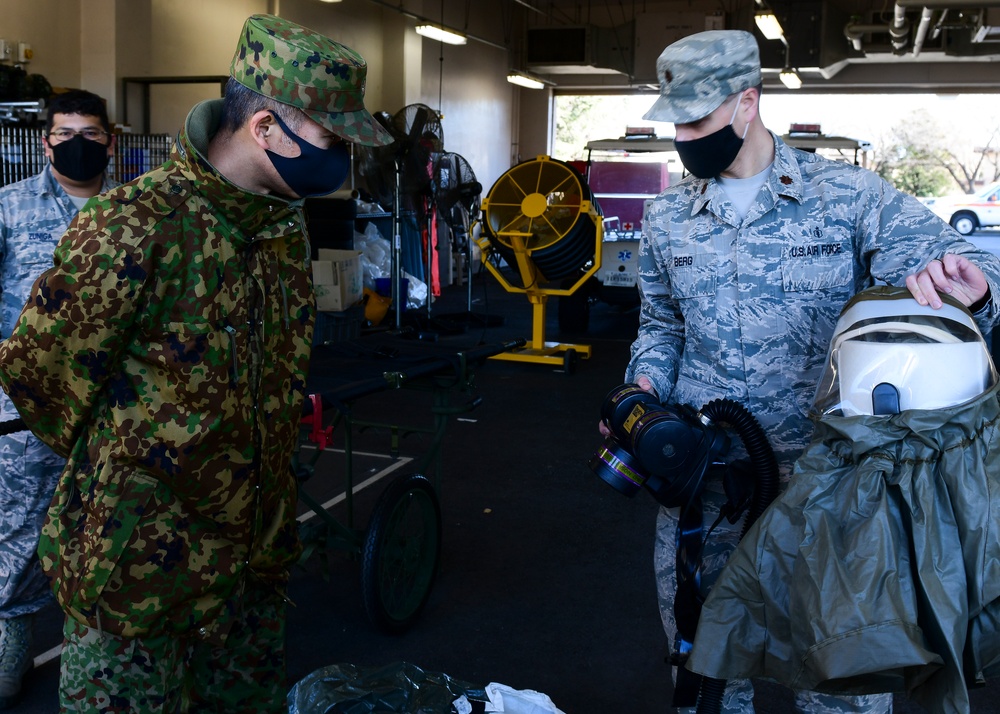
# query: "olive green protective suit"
{"type": "Point", "coordinates": [878, 569]}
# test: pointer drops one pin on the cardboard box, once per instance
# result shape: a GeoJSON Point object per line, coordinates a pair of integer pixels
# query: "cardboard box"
{"type": "Point", "coordinates": [337, 279]}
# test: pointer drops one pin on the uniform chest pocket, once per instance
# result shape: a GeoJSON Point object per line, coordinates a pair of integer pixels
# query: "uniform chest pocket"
{"type": "Point", "coordinates": [192, 344]}
{"type": "Point", "coordinates": [809, 274]}
{"type": "Point", "coordinates": [693, 276]}
{"type": "Point", "coordinates": [28, 271]}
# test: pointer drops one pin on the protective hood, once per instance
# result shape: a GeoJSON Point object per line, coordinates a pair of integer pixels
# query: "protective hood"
{"type": "Point", "coordinates": [878, 568]}
{"type": "Point", "coordinates": [890, 354]}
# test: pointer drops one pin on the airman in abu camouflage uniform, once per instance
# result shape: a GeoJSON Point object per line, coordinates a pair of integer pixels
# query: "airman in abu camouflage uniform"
{"type": "Point", "coordinates": [34, 213]}
{"type": "Point", "coordinates": [744, 268]}
{"type": "Point", "coordinates": [165, 354]}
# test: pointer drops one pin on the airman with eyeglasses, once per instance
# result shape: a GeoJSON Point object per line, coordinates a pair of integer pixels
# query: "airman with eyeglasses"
{"type": "Point", "coordinates": [78, 144]}
{"type": "Point", "coordinates": [34, 215]}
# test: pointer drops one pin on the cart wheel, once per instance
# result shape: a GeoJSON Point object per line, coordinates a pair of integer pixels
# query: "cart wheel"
{"type": "Point", "coordinates": [400, 554]}
{"type": "Point", "coordinates": [570, 361]}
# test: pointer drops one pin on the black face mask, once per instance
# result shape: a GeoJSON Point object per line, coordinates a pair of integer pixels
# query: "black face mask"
{"type": "Point", "coordinates": [80, 159]}
{"type": "Point", "coordinates": [315, 171]}
{"type": "Point", "coordinates": [710, 155]}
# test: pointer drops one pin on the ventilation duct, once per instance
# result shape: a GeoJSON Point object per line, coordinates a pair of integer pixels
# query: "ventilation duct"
{"type": "Point", "coordinates": [989, 27]}
{"type": "Point", "coordinates": [583, 49]}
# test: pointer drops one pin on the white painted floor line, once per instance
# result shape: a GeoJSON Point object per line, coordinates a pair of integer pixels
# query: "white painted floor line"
{"type": "Point", "coordinates": [48, 656]}
{"type": "Point", "coordinates": [341, 451]}
{"type": "Point", "coordinates": [402, 461]}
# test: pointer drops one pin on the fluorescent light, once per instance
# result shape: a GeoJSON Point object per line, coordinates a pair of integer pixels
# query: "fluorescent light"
{"type": "Point", "coordinates": [329, 0]}
{"type": "Point", "coordinates": [790, 79]}
{"type": "Point", "coordinates": [524, 80]}
{"type": "Point", "coordinates": [768, 25]}
{"type": "Point", "coordinates": [434, 32]}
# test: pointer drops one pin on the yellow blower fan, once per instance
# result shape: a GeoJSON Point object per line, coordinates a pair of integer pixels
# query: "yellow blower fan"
{"type": "Point", "coordinates": [540, 217]}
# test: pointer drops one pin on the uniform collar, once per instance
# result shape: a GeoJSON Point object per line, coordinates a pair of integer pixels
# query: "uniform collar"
{"type": "Point", "coordinates": [248, 209]}
{"type": "Point", "coordinates": [786, 177]}
{"type": "Point", "coordinates": [785, 180]}
{"type": "Point", "coordinates": [50, 187]}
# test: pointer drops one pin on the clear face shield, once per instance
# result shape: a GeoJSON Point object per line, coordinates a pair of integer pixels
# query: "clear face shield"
{"type": "Point", "coordinates": [890, 354]}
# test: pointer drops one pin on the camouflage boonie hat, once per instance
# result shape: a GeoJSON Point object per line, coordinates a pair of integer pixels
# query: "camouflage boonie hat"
{"type": "Point", "coordinates": [294, 65]}
{"type": "Point", "coordinates": [699, 71]}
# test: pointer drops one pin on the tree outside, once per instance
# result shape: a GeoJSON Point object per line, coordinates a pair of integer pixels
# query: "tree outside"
{"type": "Point", "coordinates": [925, 158]}
{"type": "Point", "coordinates": [911, 157]}
{"type": "Point", "coordinates": [582, 118]}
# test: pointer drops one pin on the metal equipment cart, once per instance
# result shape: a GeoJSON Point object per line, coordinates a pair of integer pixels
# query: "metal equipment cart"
{"type": "Point", "coordinates": [400, 549]}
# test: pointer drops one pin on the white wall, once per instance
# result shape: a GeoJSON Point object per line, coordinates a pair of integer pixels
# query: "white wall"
{"type": "Point", "coordinates": [470, 89]}
{"type": "Point", "coordinates": [535, 136]}
{"type": "Point", "coordinates": [92, 44]}
{"type": "Point", "coordinates": [52, 27]}
{"type": "Point", "coordinates": [188, 38]}
{"type": "Point", "coordinates": [98, 72]}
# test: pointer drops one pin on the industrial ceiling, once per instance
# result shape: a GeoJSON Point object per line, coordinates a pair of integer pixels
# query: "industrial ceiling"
{"type": "Point", "coordinates": [940, 46]}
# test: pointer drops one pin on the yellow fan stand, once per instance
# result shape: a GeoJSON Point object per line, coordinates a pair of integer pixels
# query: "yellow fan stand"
{"type": "Point", "coordinates": [540, 217]}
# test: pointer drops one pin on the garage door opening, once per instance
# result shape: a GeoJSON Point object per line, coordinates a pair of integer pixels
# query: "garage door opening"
{"type": "Point", "coordinates": [924, 144]}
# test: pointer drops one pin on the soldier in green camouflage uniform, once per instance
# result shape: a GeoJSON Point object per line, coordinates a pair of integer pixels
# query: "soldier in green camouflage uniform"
{"type": "Point", "coordinates": [165, 355]}
{"type": "Point", "coordinates": [744, 268]}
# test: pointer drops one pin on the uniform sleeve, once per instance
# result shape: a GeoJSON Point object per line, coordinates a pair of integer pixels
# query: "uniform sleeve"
{"type": "Point", "coordinates": [67, 345]}
{"type": "Point", "coordinates": [657, 349]}
{"type": "Point", "coordinates": [901, 235]}
{"type": "Point", "coordinates": [4, 232]}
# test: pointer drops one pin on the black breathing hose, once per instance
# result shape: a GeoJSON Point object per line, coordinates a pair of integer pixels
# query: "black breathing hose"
{"type": "Point", "coordinates": [12, 426]}
{"type": "Point", "coordinates": [765, 468]}
{"type": "Point", "coordinates": [710, 695]}
{"type": "Point", "coordinates": [765, 465]}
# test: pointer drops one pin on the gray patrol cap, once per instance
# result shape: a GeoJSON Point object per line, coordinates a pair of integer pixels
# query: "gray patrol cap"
{"type": "Point", "coordinates": [699, 71]}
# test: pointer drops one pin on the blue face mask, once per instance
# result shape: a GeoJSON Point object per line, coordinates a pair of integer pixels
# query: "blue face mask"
{"type": "Point", "coordinates": [315, 171]}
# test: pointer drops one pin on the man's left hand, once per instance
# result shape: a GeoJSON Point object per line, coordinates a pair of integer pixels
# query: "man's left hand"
{"type": "Point", "coordinates": [952, 275]}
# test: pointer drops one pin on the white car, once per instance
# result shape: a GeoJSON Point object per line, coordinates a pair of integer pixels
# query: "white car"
{"type": "Point", "coordinates": [969, 212]}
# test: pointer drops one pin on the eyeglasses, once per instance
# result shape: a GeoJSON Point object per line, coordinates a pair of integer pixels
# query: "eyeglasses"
{"type": "Point", "coordinates": [61, 135]}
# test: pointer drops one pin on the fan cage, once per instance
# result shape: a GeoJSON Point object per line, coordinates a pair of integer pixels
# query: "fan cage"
{"type": "Point", "coordinates": [541, 203]}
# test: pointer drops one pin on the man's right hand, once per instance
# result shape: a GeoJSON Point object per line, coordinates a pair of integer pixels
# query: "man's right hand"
{"type": "Point", "coordinates": [642, 381]}
{"type": "Point", "coordinates": [950, 274]}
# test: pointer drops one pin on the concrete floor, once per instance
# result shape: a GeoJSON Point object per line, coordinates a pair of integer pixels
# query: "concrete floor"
{"type": "Point", "coordinates": [546, 572]}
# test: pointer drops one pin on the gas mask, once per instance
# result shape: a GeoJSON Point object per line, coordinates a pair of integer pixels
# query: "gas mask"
{"type": "Point", "coordinates": [666, 449]}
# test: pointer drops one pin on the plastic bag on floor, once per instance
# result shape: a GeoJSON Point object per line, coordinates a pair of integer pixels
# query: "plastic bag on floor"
{"type": "Point", "coordinates": [417, 295]}
{"type": "Point", "coordinates": [400, 687]}
{"type": "Point", "coordinates": [512, 701]}
{"type": "Point", "coordinates": [376, 262]}
{"type": "Point", "coordinates": [376, 256]}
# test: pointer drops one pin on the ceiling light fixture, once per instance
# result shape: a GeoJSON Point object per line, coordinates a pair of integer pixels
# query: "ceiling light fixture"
{"type": "Point", "coordinates": [790, 79]}
{"type": "Point", "coordinates": [435, 32]}
{"type": "Point", "coordinates": [788, 76]}
{"type": "Point", "coordinates": [525, 80]}
{"type": "Point", "coordinates": [767, 23]}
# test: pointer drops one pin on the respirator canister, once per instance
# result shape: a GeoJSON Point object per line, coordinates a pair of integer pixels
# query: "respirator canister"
{"type": "Point", "coordinates": [667, 449]}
